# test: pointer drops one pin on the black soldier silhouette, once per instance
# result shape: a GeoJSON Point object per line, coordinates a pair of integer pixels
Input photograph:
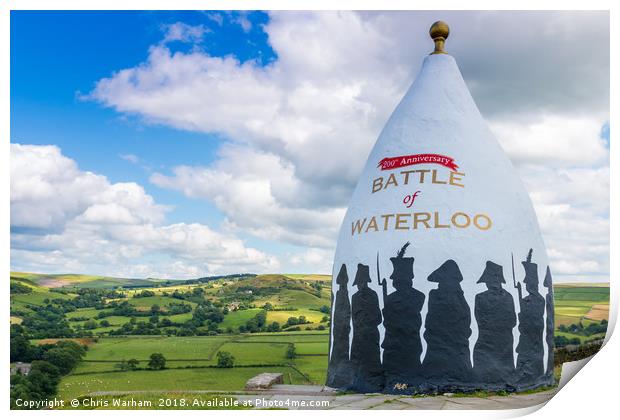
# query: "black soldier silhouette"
{"type": "Point", "coordinates": [531, 326]}
{"type": "Point", "coordinates": [548, 283]}
{"type": "Point", "coordinates": [365, 351]}
{"type": "Point", "coordinates": [402, 345]}
{"type": "Point", "coordinates": [496, 317]}
{"type": "Point", "coordinates": [339, 367]}
{"type": "Point", "coordinates": [447, 360]}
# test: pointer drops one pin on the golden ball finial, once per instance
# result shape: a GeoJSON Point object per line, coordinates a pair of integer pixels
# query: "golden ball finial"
{"type": "Point", "coordinates": [439, 32]}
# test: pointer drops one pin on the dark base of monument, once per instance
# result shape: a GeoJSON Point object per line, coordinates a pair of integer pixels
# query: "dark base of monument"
{"type": "Point", "coordinates": [434, 387]}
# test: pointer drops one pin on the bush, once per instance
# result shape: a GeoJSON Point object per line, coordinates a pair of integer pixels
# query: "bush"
{"type": "Point", "coordinates": [291, 351]}
{"type": "Point", "coordinates": [225, 359]}
{"type": "Point", "coordinates": [157, 361]}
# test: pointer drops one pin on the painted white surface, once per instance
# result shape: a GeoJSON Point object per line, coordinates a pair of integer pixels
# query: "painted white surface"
{"type": "Point", "coordinates": [438, 115]}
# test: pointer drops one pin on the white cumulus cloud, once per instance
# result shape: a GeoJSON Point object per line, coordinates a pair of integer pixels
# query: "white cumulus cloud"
{"type": "Point", "coordinates": [66, 219]}
{"type": "Point", "coordinates": [299, 129]}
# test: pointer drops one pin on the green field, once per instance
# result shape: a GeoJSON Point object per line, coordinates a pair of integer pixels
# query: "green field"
{"type": "Point", "coordinates": [298, 298]}
{"type": "Point", "coordinates": [573, 303]}
{"type": "Point", "coordinates": [191, 360]}
{"type": "Point", "coordinates": [145, 303]}
{"type": "Point", "coordinates": [83, 280]}
{"type": "Point", "coordinates": [38, 296]}
{"type": "Point", "coordinates": [141, 348]}
{"type": "Point", "coordinates": [166, 380]}
{"type": "Point", "coordinates": [236, 318]}
{"type": "Point", "coordinates": [283, 316]}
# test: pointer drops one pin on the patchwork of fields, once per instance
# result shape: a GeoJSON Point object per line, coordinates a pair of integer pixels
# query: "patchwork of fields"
{"type": "Point", "coordinates": [295, 294]}
{"type": "Point", "coordinates": [575, 303]}
{"type": "Point", "coordinates": [191, 363]}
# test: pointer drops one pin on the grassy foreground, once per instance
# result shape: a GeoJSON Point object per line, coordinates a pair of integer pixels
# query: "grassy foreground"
{"type": "Point", "coordinates": [191, 363]}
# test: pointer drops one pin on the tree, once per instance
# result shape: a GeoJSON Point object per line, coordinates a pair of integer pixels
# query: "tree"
{"type": "Point", "coordinates": [90, 325]}
{"type": "Point", "coordinates": [21, 349]}
{"type": "Point", "coordinates": [291, 352]}
{"type": "Point", "coordinates": [133, 364]}
{"type": "Point", "coordinates": [225, 359]}
{"type": "Point", "coordinates": [104, 323]}
{"type": "Point", "coordinates": [157, 361]}
{"type": "Point", "coordinates": [292, 321]}
{"type": "Point", "coordinates": [122, 365]}
{"type": "Point", "coordinates": [63, 359]}
{"type": "Point", "coordinates": [273, 327]}
{"type": "Point", "coordinates": [261, 318]}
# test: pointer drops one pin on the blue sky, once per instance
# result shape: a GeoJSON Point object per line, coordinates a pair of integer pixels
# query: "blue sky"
{"type": "Point", "coordinates": [76, 49]}
{"type": "Point", "coordinates": [178, 144]}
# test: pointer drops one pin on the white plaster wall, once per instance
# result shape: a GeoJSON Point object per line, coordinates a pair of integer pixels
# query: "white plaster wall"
{"type": "Point", "coordinates": [438, 115]}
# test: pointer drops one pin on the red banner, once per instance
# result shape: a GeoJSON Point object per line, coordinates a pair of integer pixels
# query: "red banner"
{"type": "Point", "coordinates": [400, 161]}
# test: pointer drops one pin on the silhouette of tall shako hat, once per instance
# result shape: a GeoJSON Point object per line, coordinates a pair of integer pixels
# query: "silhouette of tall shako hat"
{"type": "Point", "coordinates": [531, 269]}
{"type": "Point", "coordinates": [403, 266]}
{"type": "Point", "coordinates": [492, 273]}
{"type": "Point", "coordinates": [548, 282]}
{"type": "Point", "coordinates": [343, 277]}
{"type": "Point", "coordinates": [362, 275]}
{"type": "Point", "coordinates": [448, 272]}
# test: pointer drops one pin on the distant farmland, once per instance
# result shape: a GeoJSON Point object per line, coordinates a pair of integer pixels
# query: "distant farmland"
{"type": "Point", "coordinates": [576, 303]}
{"type": "Point", "coordinates": [190, 344]}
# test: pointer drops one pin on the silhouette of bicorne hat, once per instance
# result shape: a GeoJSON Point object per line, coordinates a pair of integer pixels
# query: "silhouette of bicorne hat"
{"type": "Point", "coordinates": [548, 282]}
{"type": "Point", "coordinates": [362, 275]}
{"type": "Point", "coordinates": [447, 272]}
{"type": "Point", "coordinates": [493, 273]}
{"type": "Point", "coordinates": [343, 277]}
{"type": "Point", "coordinates": [531, 269]}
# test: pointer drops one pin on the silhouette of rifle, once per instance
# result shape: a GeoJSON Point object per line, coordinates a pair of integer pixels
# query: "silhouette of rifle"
{"type": "Point", "coordinates": [383, 283]}
{"type": "Point", "coordinates": [514, 280]}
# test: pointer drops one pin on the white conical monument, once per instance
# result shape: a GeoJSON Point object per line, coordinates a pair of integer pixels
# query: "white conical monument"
{"type": "Point", "coordinates": [439, 268]}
